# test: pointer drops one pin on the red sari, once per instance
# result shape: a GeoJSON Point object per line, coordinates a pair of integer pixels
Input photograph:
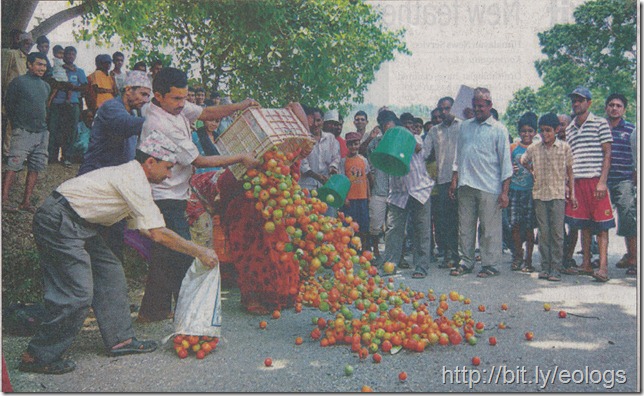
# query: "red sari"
{"type": "Point", "coordinates": [265, 283]}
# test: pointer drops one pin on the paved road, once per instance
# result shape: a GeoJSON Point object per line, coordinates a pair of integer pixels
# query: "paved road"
{"type": "Point", "coordinates": [594, 352]}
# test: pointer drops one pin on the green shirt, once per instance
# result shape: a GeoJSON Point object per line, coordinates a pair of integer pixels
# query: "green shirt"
{"type": "Point", "coordinates": [26, 103]}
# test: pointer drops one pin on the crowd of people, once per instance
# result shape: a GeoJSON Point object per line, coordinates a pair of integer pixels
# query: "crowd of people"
{"type": "Point", "coordinates": [145, 139]}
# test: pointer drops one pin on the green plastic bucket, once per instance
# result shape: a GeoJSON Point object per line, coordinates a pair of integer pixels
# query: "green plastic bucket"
{"type": "Point", "coordinates": [394, 152]}
{"type": "Point", "coordinates": [335, 190]}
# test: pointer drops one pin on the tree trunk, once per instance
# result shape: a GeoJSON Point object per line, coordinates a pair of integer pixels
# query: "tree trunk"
{"type": "Point", "coordinates": [16, 14]}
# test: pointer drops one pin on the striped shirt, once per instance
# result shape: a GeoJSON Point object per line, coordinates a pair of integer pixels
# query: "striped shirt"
{"type": "Point", "coordinates": [416, 183]}
{"type": "Point", "coordinates": [442, 138]}
{"type": "Point", "coordinates": [549, 167]}
{"type": "Point", "coordinates": [586, 145]}
{"type": "Point", "coordinates": [621, 158]}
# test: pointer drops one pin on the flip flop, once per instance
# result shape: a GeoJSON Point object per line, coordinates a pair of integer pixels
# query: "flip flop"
{"type": "Point", "coordinates": [600, 278]}
{"type": "Point", "coordinates": [418, 275]}
{"type": "Point", "coordinates": [60, 366]}
{"type": "Point", "coordinates": [632, 271]}
{"type": "Point", "coordinates": [10, 209]}
{"type": "Point", "coordinates": [488, 272]}
{"type": "Point", "coordinates": [133, 347]}
{"type": "Point", "coordinates": [544, 275]}
{"type": "Point", "coordinates": [30, 209]}
{"type": "Point", "coordinates": [460, 270]}
{"type": "Point", "coordinates": [585, 271]}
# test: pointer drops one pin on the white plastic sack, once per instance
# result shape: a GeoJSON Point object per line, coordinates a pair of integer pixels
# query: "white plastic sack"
{"type": "Point", "coordinates": [198, 310]}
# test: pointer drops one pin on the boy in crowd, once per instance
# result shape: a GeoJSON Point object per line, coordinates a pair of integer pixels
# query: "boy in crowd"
{"type": "Point", "coordinates": [551, 163]}
{"type": "Point", "coordinates": [521, 205]}
{"type": "Point", "coordinates": [356, 168]}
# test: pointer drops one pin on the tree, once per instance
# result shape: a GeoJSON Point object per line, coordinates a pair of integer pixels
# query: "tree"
{"type": "Point", "coordinates": [16, 14]}
{"type": "Point", "coordinates": [319, 52]}
{"type": "Point", "coordinates": [524, 100]}
{"type": "Point", "coordinates": [598, 51]}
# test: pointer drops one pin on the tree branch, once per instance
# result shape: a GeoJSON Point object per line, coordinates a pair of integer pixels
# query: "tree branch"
{"type": "Point", "coordinates": [59, 18]}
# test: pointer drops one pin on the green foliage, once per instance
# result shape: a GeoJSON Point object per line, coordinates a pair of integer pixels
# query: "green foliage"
{"type": "Point", "coordinates": [524, 100]}
{"type": "Point", "coordinates": [597, 51]}
{"type": "Point", "coordinates": [319, 52]}
{"type": "Point", "coordinates": [21, 278]}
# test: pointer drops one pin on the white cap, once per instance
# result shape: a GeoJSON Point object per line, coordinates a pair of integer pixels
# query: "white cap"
{"type": "Point", "coordinates": [332, 115]}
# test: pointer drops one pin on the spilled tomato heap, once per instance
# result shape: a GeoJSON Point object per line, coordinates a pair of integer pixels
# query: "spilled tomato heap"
{"type": "Point", "coordinates": [371, 313]}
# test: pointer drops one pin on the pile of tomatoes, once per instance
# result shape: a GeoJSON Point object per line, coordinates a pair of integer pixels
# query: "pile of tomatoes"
{"type": "Point", "coordinates": [201, 346]}
{"type": "Point", "coordinates": [368, 312]}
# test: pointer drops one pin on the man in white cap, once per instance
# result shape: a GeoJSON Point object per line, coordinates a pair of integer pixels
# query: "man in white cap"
{"type": "Point", "coordinates": [115, 130]}
{"type": "Point", "coordinates": [482, 172]}
{"type": "Point", "coordinates": [113, 139]}
{"type": "Point", "coordinates": [333, 126]}
{"type": "Point", "coordinates": [79, 269]}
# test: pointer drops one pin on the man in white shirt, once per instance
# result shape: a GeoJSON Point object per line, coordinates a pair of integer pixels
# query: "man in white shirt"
{"type": "Point", "coordinates": [79, 269]}
{"type": "Point", "coordinates": [172, 115]}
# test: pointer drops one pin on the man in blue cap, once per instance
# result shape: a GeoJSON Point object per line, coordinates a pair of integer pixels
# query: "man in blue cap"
{"type": "Point", "coordinates": [590, 140]}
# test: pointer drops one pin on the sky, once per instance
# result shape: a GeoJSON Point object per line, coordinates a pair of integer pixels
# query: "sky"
{"type": "Point", "coordinates": [490, 43]}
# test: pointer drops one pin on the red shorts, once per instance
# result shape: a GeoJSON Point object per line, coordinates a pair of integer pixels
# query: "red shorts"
{"type": "Point", "coordinates": [593, 213]}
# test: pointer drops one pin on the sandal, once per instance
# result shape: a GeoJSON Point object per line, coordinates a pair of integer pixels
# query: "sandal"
{"type": "Point", "coordinates": [60, 366]}
{"type": "Point", "coordinates": [135, 346]}
{"type": "Point", "coordinates": [448, 264]}
{"type": "Point", "coordinates": [585, 271]}
{"type": "Point", "coordinates": [460, 270]}
{"type": "Point", "coordinates": [403, 264]}
{"type": "Point", "coordinates": [516, 264]}
{"type": "Point", "coordinates": [257, 309]}
{"type": "Point", "coordinates": [554, 277]}
{"type": "Point", "coordinates": [528, 269]}
{"type": "Point", "coordinates": [418, 275]}
{"type": "Point", "coordinates": [544, 275]}
{"type": "Point", "coordinates": [632, 271]}
{"type": "Point", "coordinates": [569, 271]}
{"type": "Point", "coordinates": [599, 277]}
{"type": "Point", "coordinates": [29, 209]}
{"type": "Point", "coordinates": [624, 263]}
{"type": "Point", "coordinates": [488, 272]}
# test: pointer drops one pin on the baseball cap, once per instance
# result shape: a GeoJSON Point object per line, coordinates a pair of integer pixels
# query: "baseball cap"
{"type": "Point", "coordinates": [332, 115]}
{"type": "Point", "coordinates": [583, 92]}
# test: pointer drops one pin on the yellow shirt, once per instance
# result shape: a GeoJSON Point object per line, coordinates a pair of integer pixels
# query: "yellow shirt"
{"type": "Point", "coordinates": [106, 196]}
{"type": "Point", "coordinates": [105, 81]}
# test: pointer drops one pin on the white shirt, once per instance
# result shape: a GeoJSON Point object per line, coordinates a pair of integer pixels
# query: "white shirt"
{"type": "Point", "coordinates": [106, 196]}
{"type": "Point", "coordinates": [324, 156]}
{"type": "Point", "coordinates": [178, 129]}
{"type": "Point", "coordinates": [443, 140]}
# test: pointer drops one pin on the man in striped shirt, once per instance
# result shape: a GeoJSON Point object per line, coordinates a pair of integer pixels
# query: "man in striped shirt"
{"type": "Point", "coordinates": [620, 179]}
{"type": "Point", "coordinates": [590, 140]}
{"type": "Point", "coordinates": [408, 195]}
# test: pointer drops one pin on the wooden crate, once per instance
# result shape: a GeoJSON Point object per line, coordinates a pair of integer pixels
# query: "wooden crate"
{"type": "Point", "coordinates": [258, 130]}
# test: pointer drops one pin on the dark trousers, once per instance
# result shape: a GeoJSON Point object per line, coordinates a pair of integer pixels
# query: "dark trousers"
{"type": "Point", "coordinates": [63, 120]}
{"type": "Point", "coordinates": [447, 221]}
{"type": "Point", "coordinates": [167, 269]}
{"type": "Point", "coordinates": [79, 271]}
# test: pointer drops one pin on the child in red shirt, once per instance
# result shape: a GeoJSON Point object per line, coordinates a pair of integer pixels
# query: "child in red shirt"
{"type": "Point", "coordinates": [356, 168]}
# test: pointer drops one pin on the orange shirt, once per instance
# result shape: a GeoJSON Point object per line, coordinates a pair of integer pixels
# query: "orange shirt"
{"type": "Point", "coordinates": [356, 169]}
{"type": "Point", "coordinates": [102, 80]}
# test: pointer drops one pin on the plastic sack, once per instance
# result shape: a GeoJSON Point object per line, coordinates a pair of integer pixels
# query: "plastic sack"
{"type": "Point", "coordinates": [198, 310]}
